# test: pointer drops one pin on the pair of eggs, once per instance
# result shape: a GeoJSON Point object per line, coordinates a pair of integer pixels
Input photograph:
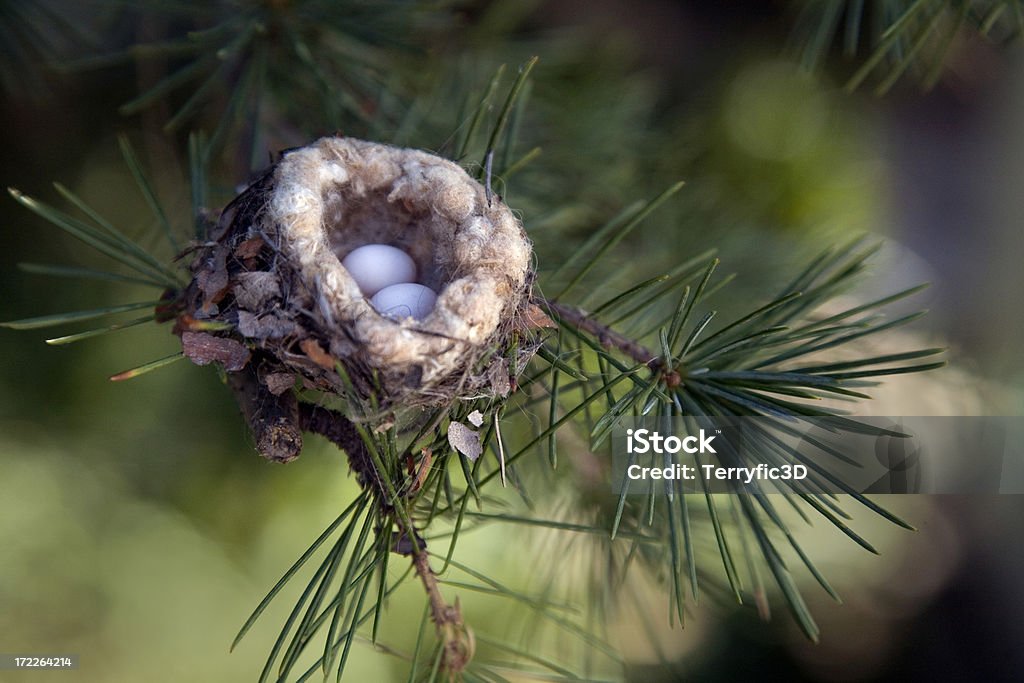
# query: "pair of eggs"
{"type": "Point", "coordinates": [387, 276]}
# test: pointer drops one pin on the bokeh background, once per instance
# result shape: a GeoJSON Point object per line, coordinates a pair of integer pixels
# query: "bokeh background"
{"type": "Point", "coordinates": [137, 526]}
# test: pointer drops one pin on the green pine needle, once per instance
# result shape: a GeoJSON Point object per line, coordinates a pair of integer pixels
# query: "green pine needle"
{"type": "Point", "coordinates": [147, 367]}
{"type": "Point", "coordinates": [56, 319]}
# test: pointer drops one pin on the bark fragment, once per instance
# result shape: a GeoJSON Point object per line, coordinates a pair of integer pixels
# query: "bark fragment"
{"type": "Point", "coordinates": [203, 349]}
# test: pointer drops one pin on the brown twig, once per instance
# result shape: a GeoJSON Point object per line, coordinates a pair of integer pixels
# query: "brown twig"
{"type": "Point", "coordinates": [456, 638]}
{"type": "Point", "coordinates": [272, 419]}
{"type": "Point", "coordinates": [277, 423]}
{"type": "Point", "coordinates": [340, 431]}
{"type": "Point", "coordinates": [605, 335]}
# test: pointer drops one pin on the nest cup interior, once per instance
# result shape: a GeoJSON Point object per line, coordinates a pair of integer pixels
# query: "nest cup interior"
{"type": "Point", "coordinates": [355, 221]}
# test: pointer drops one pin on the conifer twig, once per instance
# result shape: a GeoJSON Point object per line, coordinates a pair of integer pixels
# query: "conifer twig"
{"type": "Point", "coordinates": [456, 639]}
{"type": "Point", "coordinates": [271, 419]}
{"type": "Point", "coordinates": [604, 334]}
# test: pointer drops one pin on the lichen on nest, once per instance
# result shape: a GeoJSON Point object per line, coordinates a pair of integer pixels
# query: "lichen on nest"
{"type": "Point", "coordinates": [271, 278]}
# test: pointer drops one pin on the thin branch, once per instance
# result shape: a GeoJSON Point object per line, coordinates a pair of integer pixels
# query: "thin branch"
{"type": "Point", "coordinates": [457, 639]}
{"type": "Point", "coordinates": [608, 337]}
{"type": "Point", "coordinates": [272, 419]}
{"type": "Point", "coordinates": [337, 429]}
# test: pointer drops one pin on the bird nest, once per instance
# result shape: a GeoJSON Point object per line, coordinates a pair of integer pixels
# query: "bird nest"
{"type": "Point", "coordinates": [270, 295]}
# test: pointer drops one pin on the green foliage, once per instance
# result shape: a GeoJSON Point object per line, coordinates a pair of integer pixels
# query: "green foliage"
{"type": "Point", "coordinates": [251, 72]}
{"type": "Point", "coordinates": [33, 35]}
{"type": "Point", "coordinates": [750, 366]}
{"type": "Point", "coordinates": [901, 36]}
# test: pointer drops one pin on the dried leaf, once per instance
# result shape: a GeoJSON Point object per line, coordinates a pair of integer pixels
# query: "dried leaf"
{"type": "Point", "coordinates": [253, 290]}
{"type": "Point", "coordinates": [384, 427]}
{"type": "Point", "coordinates": [315, 352]}
{"type": "Point", "coordinates": [212, 279]}
{"type": "Point", "coordinates": [497, 373]}
{"type": "Point", "coordinates": [279, 382]}
{"type": "Point", "coordinates": [265, 327]}
{"type": "Point", "coordinates": [419, 474]}
{"type": "Point", "coordinates": [402, 544]}
{"type": "Point", "coordinates": [250, 248]}
{"type": "Point", "coordinates": [203, 349]}
{"type": "Point", "coordinates": [464, 440]}
{"type": "Point", "coordinates": [535, 319]}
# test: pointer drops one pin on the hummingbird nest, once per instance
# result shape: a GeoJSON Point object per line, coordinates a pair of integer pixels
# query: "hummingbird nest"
{"type": "Point", "coordinates": [270, 296]}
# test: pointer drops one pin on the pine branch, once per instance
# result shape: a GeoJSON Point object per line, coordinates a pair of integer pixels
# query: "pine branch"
{"type": "Point", "coordinates": [901, 36]}
{"type": "Point", "coordinates": [456, 638]}
{"type": "Point", "coordinates": [747, 367]}
{"type": "Point", "coordinates": [604, 335]}
{"type": "Point", "coordinates": [273, 420]}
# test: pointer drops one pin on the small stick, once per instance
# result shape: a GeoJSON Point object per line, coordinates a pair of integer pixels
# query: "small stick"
{"type": "Point", "coordinates": [501, 447]}
{"type": "Point", "coordinates": [488, 162]}
{"type": "Point", "coordinates": [273, 420]}
{"type": "Point", "coordinates": [604, 334]}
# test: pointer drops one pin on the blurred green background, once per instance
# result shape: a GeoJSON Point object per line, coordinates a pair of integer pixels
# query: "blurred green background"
{"type": "Point", "coordinates": [137, 526]}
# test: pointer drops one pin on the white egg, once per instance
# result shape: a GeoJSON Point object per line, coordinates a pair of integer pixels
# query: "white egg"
{"type": "Point", "coordinates": [407, 300]}
{"type": "Point", "coordinates": [376, 266]}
